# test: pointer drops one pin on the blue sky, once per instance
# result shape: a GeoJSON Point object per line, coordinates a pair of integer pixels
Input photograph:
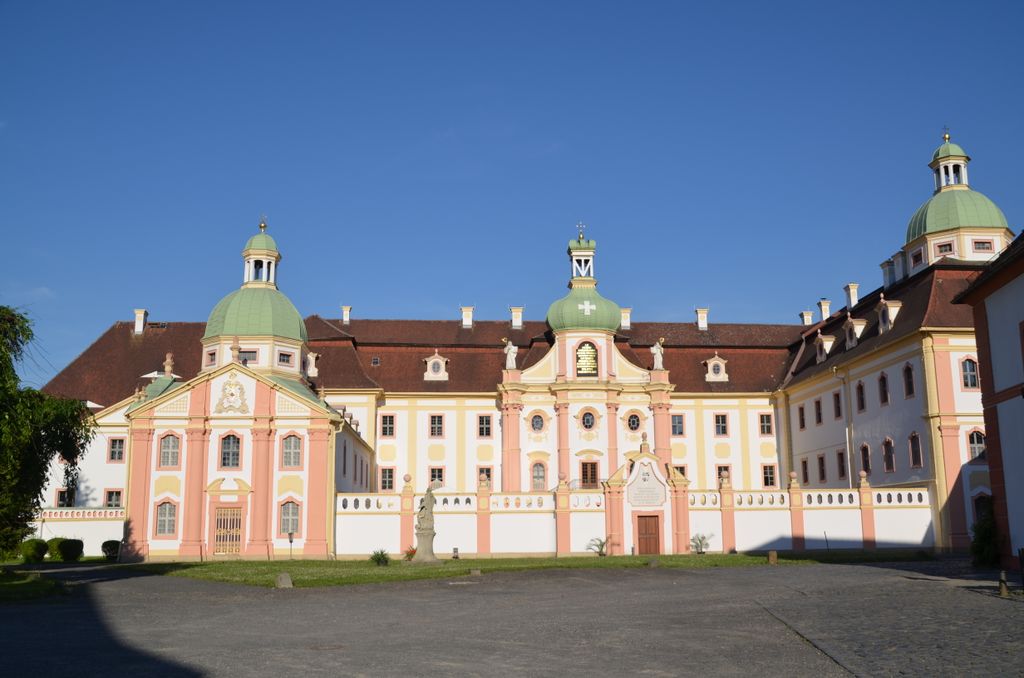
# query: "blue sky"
{"type": "Point", "coordinates": [415, 157]}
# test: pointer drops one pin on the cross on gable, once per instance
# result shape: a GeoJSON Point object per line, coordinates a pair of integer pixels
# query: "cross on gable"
{"type": "Point", "coordinates": [587, 307]}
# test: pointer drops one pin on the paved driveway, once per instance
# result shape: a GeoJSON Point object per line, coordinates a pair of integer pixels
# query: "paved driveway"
{"type": "Point", "coordinates": [820, 620]}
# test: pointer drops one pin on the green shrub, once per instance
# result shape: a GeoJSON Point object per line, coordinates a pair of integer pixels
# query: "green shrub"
{"type": "Point", "coordinates": [53, 547]}
{"type": "Point", "coordinates": [381, 558]}
{"type": "Point", "coordinates": [985, 542]}
{"type": "Point", "coordinates": [33, 550]}
{"type": "Point", "coordinates": [111, 549]}
{"type": "Point", "coordinates": [70, 550]}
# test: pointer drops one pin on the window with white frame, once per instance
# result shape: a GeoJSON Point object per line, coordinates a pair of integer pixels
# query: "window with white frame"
{"type": "Point", "coordinates": [768, 473]}
{"type": "Point", "coordinates": [112, 499]}
{"type": "Point", "coordinates": [969, 372]}
{"type": "Point", "coordinates": [166, 518]}
{"type": "Point", "coordinates": [436, 425]}
{"type": "Point", "coordinates": [538, 475]}
{"type": "Point", "coordinates": [483, 426]}
{"type": "Point", "coordinates": [677, 424]}
{"type": "Point", "coordinates": [65, 498]}
{"type": "Point", "coordinates": [976, 442]}
{"type": "Point", "coordinates": [721, 424]}
{"type": "Point", "coordinates": [292, 452]}
{"type": "Point", "coordinates": [387, 425]}
{"type": "Point", "coordinates": [116, 452]}
{"type": "Point", "coordinates": [387, 479]}
{"type": "Point", "coordinates": [437, 475]}
{"type": "Point", "coordinates": [230, 452]}
{"type": "Point", "coordinates": [284, 359]}
{"type": "Point", "coordinates": [246, 357]}
{"type": "Point", "coordinates": [289, 518]}
{"type": "Point", "coordinates": [169, 450]}
{"type": "Point", "coordinates": [765, 421]}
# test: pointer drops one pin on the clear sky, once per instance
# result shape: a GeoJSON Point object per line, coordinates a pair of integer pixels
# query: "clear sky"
{"type": "Point", "coordinates": [415, 157]}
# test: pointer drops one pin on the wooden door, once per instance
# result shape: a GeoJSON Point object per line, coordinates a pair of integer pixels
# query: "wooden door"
{"type": "Point", "coordinates": [648, 535]}
{"type": "Point", "coordinates": [228, 531]}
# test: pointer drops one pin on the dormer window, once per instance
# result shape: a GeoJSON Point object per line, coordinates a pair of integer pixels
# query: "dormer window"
{"type": "Point", "coordinates": [917, 258]}
{"type": "Point", "coordinates": [716, 369]}
{"type": "Point", "coordinates": [851, 337]}
{"type": "Point", "coordinates": [437, 368]}
{"type": "Point", "coordinates": [887, 311]}
{"type": "Point", "coordinates": [246, 357]}
{"type": "Point", "coordinates": [824, 345]}
{"type": "Point", "coordinates": [943, 249]}
{"type": "Point", "coordinates": [375, 361]}
{"type": "Point", "coordinates": [211, 358]}
{"type": "Point", "coordinates": [285, 359]}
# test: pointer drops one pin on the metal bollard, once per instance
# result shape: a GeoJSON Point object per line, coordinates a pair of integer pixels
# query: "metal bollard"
{"type": "Point", "coordinates": [1004, 589]}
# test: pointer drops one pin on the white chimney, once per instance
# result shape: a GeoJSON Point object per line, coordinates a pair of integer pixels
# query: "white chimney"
{"type": "Point", "coordinates": [824, 306]}
{"type": "Point", "coordinates": [346, 315]}
{"type": "Point", "coordinates": [899, 261]}
{"type": "Point", "coordinates": [887, 269]}
{"type": "Point", "coordinates": [806, 318]}
{"type": "Point", "coordinates": [467, 316]}
{"type": "Point", "coordinates": [851, 295]}
{"type": "Point", "coordinates": [140, 320]}
{"type": "Point", "coordinates": [626, 321]}
{"type": "Point", "coordinates": [702, 318]}
{"type": "Point", "coordinates": [517, 317]}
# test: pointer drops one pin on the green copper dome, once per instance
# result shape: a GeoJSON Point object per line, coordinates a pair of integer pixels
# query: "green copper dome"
{"type": "Point", "coordinates": [256, 312]}
{"type": "Point", "coordinates": [261, 241]}
{"type": "Point", "coordinates": [584, 309]}
{"type": "Point", "coordinates": [946, 150]}
{"type": "Point", "coordinates": [947, 210]}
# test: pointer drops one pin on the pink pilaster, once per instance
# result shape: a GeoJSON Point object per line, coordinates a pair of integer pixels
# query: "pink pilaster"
{"type": "Point", "coordinates": [510, 450]}
{"type": "Point", "coordinates": [140, 470]}
{"type": "Point", "coordinates": [955, 510]}
{"type": "Point", "coordinates": [196, 451]}
{"type": "Point", "coordinates": [317, 501]}
{"type": "Point", "coordinates": [613, 519]}
{"type": "Point", "coordinates": [662, 433]}
{"type": "Point", "coordinates": [796, 512]}
{"type": "Point", "coordinates": [562, 416]}
{"type": "Point", "coordinates": [262, 458]}
{"type": "Point", "coordinates": [728, 515]}
{"type": "Point", "coordinates": [613, 437]}
{"type": "Point", "coordinates": [680, 496]}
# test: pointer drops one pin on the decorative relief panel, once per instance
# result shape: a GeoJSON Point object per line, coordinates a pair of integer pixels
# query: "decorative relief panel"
{"type": "Point", "coordinates": [232, 397]}
{"type": "Point", "coordinates": [179, 406]}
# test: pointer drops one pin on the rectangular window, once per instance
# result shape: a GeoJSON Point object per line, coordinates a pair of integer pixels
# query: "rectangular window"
{"type": "Point", "coordinates": [841, 464]}
{"type": "Point", "coordinates": [230, 452]}
{"type": "Point", "coordinates": [721, 424]}
{"type": "Point", "coordinates": [916, 258]}
{"type": "Point", "coordinates": [766, 424]}
{"type": "Point", "coordinates": [284, 358]}
{"type": "Point", "coordinates": [113, 499]}
{"type": "Point", "coordinates": [677, 425]}
{"type": "Point", "coordinates": [436, 425]}
{"type": "Point", "coordinates": [375, 361]}
{"type": "Point", "coordinates": [387, 480]}
{"type": "Point", "coordinates": [291, 452]}
{"type": "Point", "coordinates": [722, 471]}
{"type": "Point", "coordinates": [484, 471]}
{"type": "Point", "coordinates": [888, 457]}
{"type": "Point", "coordinates": [588, 475]}
{"type": "Point", "coordinates": [211, 358]}
{"type": "Point", "coordinates": [861, 404]}
{"type": "Point", "coordinates": [821, 468]}
{"type": "Point", "coordinates": [437, 474]}
{"type": "Point", "coordinates": [916, 459]}
{"type": "Point", "coordinates": [805, 476]}
{"type": "Point", "coordinates": [169, 448]}
{"type": "Point", "coordinates": [289, 518]}
{"type": "Point", "coordinates": [681, 470]}
{"type": "Point", "coordinates": [982, 245]}
{"type": "Point", "coordinates": [801, 418]}
{"type": "Point", "coordinates": [387, 425]}
{"type": "Point", "coordinates": [817, 411]}
{"type": "Point", "coordinates": [65, 498]}
{"type": "Point", "coordinates": [837, 405]}
{"type": "Point", "coordinates": [944, 248]}
{"type": "Point", "coordinates": [116, 449]}
{"type": "Point", "coordinates": [865, 459]}
{"type": "Point", "coordinates": [483, 426]}
{"type": "Point", "coordinates": [246, 357]}
{"type": "Point", "coordinates": [166, 518]}
{"type": "Point", "coordinates": [768, 475]}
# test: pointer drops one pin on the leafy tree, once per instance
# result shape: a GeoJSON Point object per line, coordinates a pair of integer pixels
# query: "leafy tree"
{"type": "Point", "coordinates": [34, 429]}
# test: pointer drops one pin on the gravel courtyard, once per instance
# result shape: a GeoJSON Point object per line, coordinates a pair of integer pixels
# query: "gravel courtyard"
{"type": "Point", "coordinates": [816, 620]}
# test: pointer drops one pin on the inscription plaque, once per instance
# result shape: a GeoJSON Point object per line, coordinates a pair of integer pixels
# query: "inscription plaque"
{"type": "Point", "coordinates": [645, 490]}
{"type": "Point", "coordinates": [586, 360]}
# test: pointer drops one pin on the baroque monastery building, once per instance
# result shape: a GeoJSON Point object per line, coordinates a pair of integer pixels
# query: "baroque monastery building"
{"type": "Point", "coordinates": [261, 433]}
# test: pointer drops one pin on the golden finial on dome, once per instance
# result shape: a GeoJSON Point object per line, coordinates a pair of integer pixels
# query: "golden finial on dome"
{"type": "Point", "coordinates": [580, 226]}
{"type": "Point", "coordinates": [263, 223]}
{"type": "Point", "coordinates": [945, 134]}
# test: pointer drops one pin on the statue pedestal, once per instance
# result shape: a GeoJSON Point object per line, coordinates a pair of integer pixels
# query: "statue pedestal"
{"type": "Point", "coordinates": [425, 547]}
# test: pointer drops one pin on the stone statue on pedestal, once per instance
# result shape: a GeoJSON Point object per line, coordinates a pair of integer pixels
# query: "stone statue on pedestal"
{"type": "Point", "coordinates": [510, 355]}
{"type": "Point", "coordinates": [658, 351]}
{"type": "Point", "coordinates": [425, 530]}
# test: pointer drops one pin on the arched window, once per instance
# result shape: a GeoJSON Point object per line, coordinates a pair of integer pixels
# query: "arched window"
{"type": "Point", "coordinates": [289, 517]}
{"type": "Point", "coordinates": [976, 441]}
{"type": "Point", "coordinates": [587, 420]}
{"type": "Point", "coordinates": [257, 270]}
{"type": "Point", "coordinates": [538, 475]}
{"type": "Point", "coordinates": [865, 459]}
{"type": "Point", "coordinates": [633, 422]}
{"type": "Point", "coordinates": [292, 452]}
{"type": "Point", "coordinates": [908, 381]}
{"type": "Point", "coordinates": [230, 452]}
{"type": "Point", "coordinates": [166, 518]}
{"type": "Point", "coordinates": [888, 456]}
{"type": "Point", "coordinates": [537, 422]}
{"type": "Point", "coordinates": [969, 369]}
{"type": "Point", "coordinates": [883, 389]}
{"type": "Point", "coordinates": [169, 448]}
{"type": "Point", "coordinates": [916, 459]}
{"type": "Point", "coordinates": [861, 405]}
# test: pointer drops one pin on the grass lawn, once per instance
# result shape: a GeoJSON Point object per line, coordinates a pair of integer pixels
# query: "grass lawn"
{"type": "Point", "coordinates": [312, 573]}
{"type": "Point", "coordinates": [25, 585]}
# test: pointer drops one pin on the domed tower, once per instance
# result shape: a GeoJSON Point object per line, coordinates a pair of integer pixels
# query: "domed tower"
{"type": "Point", "coordinates": [957, 221]}
{"type": "Point", "coordinates": [583, 308]}
{"type": "Point", "coordinates": [256, 324]}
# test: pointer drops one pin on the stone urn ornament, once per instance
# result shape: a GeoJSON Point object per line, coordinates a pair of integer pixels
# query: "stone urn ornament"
{"type": "Point", "coordinates": [425, 530]}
